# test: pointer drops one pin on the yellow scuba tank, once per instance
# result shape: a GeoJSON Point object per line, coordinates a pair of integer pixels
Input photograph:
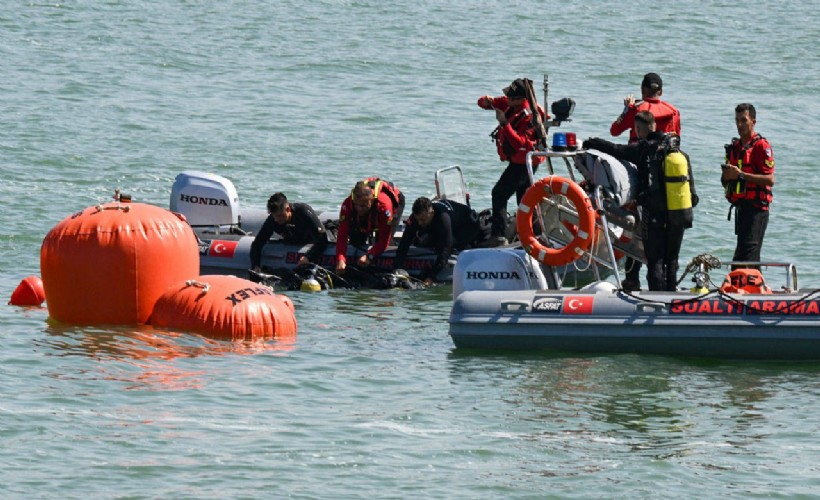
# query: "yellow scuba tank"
{"type": "Point", "coordinates": [678, 193]}
{"type": "Point", "coordinates": [310, 285]}
{"type": "Point", "coordinates": [678, 189]}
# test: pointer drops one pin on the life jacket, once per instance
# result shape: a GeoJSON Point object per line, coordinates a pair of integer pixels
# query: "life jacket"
{"type": "Point", "coordinates": [669, 186]}
{"type": "Point", "coordinates": [520, 122]}
{"type": "Point", "coordinates": [667, 118]}
{"type": "Point", "coordinates": [378, 186]}
{"type": "Point", "coordinates": [745, 281]}
{"type": "Point", "coordinates": [505, 150]}
{"type": "Point", "coordinates": [737, 190]}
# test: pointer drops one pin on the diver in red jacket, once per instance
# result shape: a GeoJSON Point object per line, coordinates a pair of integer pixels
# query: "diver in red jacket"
{"type": "Point", "coordinates": [370, 213]}
{"type": "Point", "coordinates": [514, 138]}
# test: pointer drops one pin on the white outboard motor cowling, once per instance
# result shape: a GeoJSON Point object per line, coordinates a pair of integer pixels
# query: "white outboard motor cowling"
{"type": "Point", "coordinates": [496, 269]}
{"type": "Point", "coordinates": [205, 199]}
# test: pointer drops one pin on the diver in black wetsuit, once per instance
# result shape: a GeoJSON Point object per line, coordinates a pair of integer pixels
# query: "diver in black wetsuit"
{"type": "Point", "coordinates": [443, 225]}
{"type": "Point", "coordinates": [297, 223]}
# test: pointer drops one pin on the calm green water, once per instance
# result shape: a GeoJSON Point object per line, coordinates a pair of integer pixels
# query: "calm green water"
{"type": "Point", "coordinates": [373, 400]}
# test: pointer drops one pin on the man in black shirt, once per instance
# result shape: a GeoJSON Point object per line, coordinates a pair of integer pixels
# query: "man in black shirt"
{"type": "Point", "coordinates": [443, 225]}
{"type": "Point", "coordinates": [297, 223]}
{"type": "Point", "coordinates": [664, 235]}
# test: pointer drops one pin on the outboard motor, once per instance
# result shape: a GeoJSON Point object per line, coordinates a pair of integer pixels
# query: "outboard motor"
{"type": "Point", "coordinates": [496, 269]}
{"type": "Point", "coordinates": [205, 199]}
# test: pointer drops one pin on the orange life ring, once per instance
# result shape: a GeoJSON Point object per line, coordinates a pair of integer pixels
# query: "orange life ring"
{"type": "Point", "coordinates": [582, 237]}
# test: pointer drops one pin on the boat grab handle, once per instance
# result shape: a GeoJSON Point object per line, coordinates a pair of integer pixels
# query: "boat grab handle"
{"type": "Point", "coordinates": [515, 305]}
{"type": "Point", "coordinates": [650, 308]}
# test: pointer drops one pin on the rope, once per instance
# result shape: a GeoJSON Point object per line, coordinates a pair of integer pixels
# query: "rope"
{"type": "Point", "coordinates": [687, 301]}
{"type": "Point", "coordinates": [204, 286]}
{"type": "Point", "coordinates": [704, 261]}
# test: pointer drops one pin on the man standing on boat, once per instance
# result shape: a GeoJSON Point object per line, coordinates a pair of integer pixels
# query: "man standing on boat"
{"type": "Point", "coordinates": [514, 138]}
{"type": "Point", "coordinates": [667, 116]}
{"type": "Point", "coordinates": [664, 235]}
{"type": "Point", "coordinates": [747, 178]}
{"type": "Point", "coordinates": [296, 223]}
{"type": "Point", "coordinates": [371, 212]}
{"type": "Point", "coordinates": [443, 225]}
{"type": "Point", "coordinates": [667, 120]}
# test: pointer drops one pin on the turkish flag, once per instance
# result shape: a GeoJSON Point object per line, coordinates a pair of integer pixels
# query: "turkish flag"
{"type": "Point", "coordinates": [578, 304]}
{"type": "Point", "coordinates": [221, 248]}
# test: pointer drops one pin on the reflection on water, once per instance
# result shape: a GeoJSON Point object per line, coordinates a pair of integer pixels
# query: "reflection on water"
{"type": "Point", "coordinates": [615, 407]}
{"type": "Point", "coordinates": [145, 357]}
{"type": "Point", "coordinates": [394, 304]}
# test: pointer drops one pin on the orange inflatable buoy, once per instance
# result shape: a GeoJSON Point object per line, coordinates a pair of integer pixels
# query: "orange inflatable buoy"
{"type": "Point", "coordinates": [288, 302]}
{"type": "Point", "coordinates": [226, 307]}
{"type": "Point", "coordinates": [109, 263]}
{"type": "Point", "coordinates": [29, 292]}
{"type": "Point", "coordinates": [582, 235]}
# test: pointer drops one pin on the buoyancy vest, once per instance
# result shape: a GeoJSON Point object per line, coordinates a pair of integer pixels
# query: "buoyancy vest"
{"type": "Point", "coordinates": [380, 185]}
{"type": "Point", "coordinates": [737, 190]}
{"type": "Point", "coordinates": [667, 118]}
{"type": "Point", "coordinates": [506, 150]}
{"type": "Point", "coordinates": [521, 122]}
{"type": "Point", "coordinates": [670, 180]}
{"type": "Point", "coordinates": [745, 281]}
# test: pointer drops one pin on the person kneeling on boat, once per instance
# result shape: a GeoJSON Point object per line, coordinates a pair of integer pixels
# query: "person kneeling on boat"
{"type": "Point", "coordinates": [665, 223]}
{"type": "Point", "coordinates": [296, 223]}
{"type": "Point", "coordinates": [370, 213]}
{"type": "Point", "coordinates": [443, 225]}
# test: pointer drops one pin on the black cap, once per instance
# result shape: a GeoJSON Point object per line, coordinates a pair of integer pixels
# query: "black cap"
{"type": "Point", "coordinates": [516, 89]}
{"type": "Point", "coordinates": [652, 81]}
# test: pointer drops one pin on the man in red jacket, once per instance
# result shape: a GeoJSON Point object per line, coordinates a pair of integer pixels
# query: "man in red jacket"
{"type": "Point", "coordinates": [667, 119]}
{"type": "Point", "coordinates": [747, 178]}
{"type": "Point", "coordinates": [667, 116]}
{"type": "Point", "coordinates": [370, 213]}
{"type": "Point", "coordinates": [514, 138]}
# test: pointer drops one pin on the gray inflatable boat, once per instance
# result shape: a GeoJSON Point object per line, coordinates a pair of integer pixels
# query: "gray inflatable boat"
{"type": "Point", "coordinates": [506, 299]}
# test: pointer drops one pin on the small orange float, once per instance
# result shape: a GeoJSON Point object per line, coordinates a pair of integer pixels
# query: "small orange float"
{"type": "Point", "coordinates": [227, 308]}
{"type": "Point", "coordinates": [29, 292]}
{"type": "Point", "coordinates": [109, 263]}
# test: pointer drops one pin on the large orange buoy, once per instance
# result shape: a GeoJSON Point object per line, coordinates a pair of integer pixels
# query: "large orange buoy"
{"type": "Point", "coordinates": [109, 263]}
{"type": "Point", "coordinates": [29, 292]}
{"type": "Point", "coordinates": [226, 307]}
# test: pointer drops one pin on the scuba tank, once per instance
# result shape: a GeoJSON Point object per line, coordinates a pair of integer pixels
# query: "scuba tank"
{"type": "Point", "coordinates": [310, 283]}
{"type": "Point", "coordinates": [677, 184]}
